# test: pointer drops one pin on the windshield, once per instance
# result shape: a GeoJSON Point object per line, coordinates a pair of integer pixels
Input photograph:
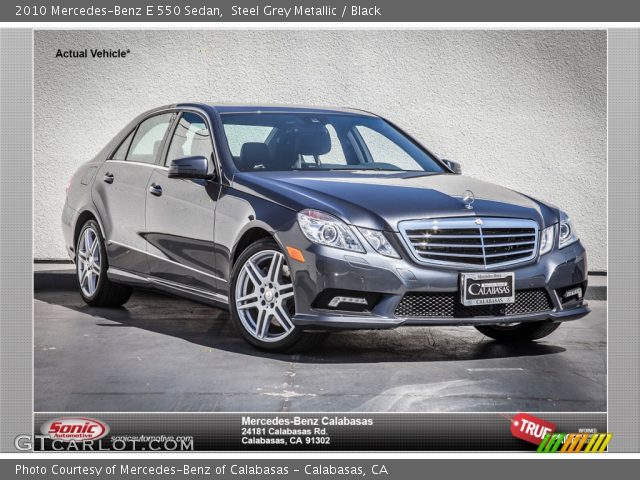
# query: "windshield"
{"type": "Point", "coordinates": [316, 141]}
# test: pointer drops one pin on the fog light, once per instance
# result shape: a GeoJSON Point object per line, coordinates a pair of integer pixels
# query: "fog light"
{"type": "Point", "coordinates": [335, 301]}
{"type": "Point", "coordinates": [346, 300]}
{"type": "Point", "coordinates": [574, 292]}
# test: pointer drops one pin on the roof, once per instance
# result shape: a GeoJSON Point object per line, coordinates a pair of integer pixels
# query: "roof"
{"type": "Point", "coordinates": [254, 108]}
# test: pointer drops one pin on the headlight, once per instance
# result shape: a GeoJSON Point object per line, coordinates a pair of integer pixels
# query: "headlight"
{"type": "Point", "coordinates": [567, 234]}
{"type": "Point", "coordinates": [325, 229]}
{"type": "Point", "coordinates": [546, 239]}
{"type": "Point", "coordinates": [379, 242]}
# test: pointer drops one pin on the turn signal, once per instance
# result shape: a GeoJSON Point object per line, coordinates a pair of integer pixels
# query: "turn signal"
{"type": "Point", "coordinates": [295, 254]}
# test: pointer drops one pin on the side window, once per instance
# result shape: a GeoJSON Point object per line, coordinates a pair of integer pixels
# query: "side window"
{"type": "Point", "coordinates": [384, 150]}
{"type": "Point", "coordinates": [238, 135]}
{"type": "Point", "coordinates": [121, 152]}
{"type": "Point", "coordinates": [147, 142]}
{"type": "Point", "coordinates": [190, 139]}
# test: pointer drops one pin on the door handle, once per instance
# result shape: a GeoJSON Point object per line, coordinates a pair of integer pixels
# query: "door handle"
{"type": "Point", "coordinates": [108, 177]}
{"type": "Point", "coordinates": [155, 190]}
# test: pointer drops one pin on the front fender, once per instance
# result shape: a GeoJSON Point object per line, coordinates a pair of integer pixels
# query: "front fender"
{"type": "Point", "coordinates": [236, 214]}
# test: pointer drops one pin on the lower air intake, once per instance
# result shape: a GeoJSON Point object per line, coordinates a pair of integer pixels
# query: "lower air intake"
{"type": "Point", "coordinates": [447, 305]}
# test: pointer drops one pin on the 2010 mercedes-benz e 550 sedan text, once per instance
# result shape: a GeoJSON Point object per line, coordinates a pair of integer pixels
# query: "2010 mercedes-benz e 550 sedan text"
{"type": "Point", "coordinates": [304, 220]}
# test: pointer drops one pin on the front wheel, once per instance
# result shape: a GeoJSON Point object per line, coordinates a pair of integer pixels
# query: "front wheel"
{"type": "Point", "coordinates": [262, 302]}
{"type": "Point", "coordinates": [519, 332]}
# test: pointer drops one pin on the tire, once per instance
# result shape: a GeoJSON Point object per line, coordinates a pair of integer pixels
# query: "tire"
{"type": "Point", "coordinates": [262, 301]}
{"type": "Point", "coordinates": [521, 332]}
{"type": "Point", "coordinates": [91, 270]}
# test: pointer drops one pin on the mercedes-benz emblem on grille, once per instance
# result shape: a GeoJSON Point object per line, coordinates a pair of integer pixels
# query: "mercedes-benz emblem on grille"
{"type": "Point", "coordinates": [468, 198]}
{"type": "Point", "coordinates": [478, 221]}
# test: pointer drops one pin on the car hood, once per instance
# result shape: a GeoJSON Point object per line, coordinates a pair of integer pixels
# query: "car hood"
{"type": "Point", "coordinates": [383, 199]}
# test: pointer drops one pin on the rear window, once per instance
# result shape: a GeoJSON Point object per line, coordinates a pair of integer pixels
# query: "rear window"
{"type": "Point", "coordinates": [121, 152]}
{"type": "Point", "coordinates": [146, 144]}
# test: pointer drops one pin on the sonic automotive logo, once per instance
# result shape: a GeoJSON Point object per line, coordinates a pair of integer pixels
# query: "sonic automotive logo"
{"type": "Point", "coordinates": [75, 429]}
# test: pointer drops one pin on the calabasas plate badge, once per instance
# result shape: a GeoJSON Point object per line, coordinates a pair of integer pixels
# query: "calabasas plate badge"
{"type": "Point", "coordinates": [487, 288]}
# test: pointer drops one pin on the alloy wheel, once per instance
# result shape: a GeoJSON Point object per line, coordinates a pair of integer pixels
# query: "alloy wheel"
{"type": "Point", "coordinates": [89, 261]}
{"type": "Point", "coordinates": [264, 296]}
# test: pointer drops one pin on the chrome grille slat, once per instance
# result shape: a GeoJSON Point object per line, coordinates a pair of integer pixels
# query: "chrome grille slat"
{"type": "Point", "coordinates": [505, 235]}
{"type": "Point", "coordinates": [445, 254]}
{"type": "Point", "coordinates": [495, 242]}
{"type": "Point", "coordinates": [445, 236]}
{"type": "Point", "coordinates": [506, 254]}
{"type": "Point", "coordinates": [508, 235]}
{"type": "Point", "coordinates": [514, 244]}
{"type": "Point", "coordinates": [447, 245]}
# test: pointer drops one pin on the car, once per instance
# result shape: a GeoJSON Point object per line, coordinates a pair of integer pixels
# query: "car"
{"type": "Point", "coordinates": [304, 220]}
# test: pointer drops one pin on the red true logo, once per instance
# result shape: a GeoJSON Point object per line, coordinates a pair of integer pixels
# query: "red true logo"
{"type": "Point", "coordinates": [531, 429]}
{"type": "Point", "coordinates": [73, 429]}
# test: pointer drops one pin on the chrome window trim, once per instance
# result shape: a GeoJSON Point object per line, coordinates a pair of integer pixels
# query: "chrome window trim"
{"type": "Point", "coordinates": [469, 222]}
{"type": "Point", "coordinates": [130, 162]}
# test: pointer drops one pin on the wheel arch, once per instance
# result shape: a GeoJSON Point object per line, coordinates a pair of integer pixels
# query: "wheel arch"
{"type": "Point", "coordinates": [249, 236]}
{"type": "Point", "coordinates": [83, 218]}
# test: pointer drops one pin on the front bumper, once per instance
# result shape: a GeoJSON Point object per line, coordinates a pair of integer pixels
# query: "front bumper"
{"type": "Point", "coordinates": [326, 320]}
{"type": "Point", "coordinates": [328, 269]}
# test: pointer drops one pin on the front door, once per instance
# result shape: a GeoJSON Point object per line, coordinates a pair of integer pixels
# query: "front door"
{"type": "Point", "coordinates": [180, 213]}
{"type": "Point", "coordinates": [121, 193]}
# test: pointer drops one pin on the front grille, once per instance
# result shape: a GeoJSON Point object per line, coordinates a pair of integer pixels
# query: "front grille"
{"type": "Point", "coordinates": [471, 241]}
{"type": "Point", "coordinates": [448, 305]}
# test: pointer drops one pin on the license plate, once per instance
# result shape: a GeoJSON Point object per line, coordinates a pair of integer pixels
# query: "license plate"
{"type": "Point", "coordinates": [487, 288]}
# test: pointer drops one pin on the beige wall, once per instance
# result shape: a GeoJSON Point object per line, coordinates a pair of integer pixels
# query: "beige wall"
{"type": "Point", "coordinates": [523, 109]}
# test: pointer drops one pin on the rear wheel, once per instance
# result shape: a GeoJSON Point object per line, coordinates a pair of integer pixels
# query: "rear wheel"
{"type": "Point", "coordinates": [262, 303]}
{"type": "Point", "coordinates": [519, 332]}
{"type": "Point", "coordinates": [91, 269]}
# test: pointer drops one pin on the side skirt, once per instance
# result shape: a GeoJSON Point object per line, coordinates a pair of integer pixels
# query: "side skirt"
{"type": "Point", "coordinates": [146, 281]}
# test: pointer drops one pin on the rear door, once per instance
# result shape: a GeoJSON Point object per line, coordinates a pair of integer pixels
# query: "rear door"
{"type": "Point", "coordinates": [180, 213]}
{"type": "Point", "coordinates": [120, 192]}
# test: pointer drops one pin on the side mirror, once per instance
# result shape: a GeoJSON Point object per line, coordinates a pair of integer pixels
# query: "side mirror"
{"type": "Point", "coordinates": [455, 167]}
{"type": "Point", "coordinates": [190, 168]}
